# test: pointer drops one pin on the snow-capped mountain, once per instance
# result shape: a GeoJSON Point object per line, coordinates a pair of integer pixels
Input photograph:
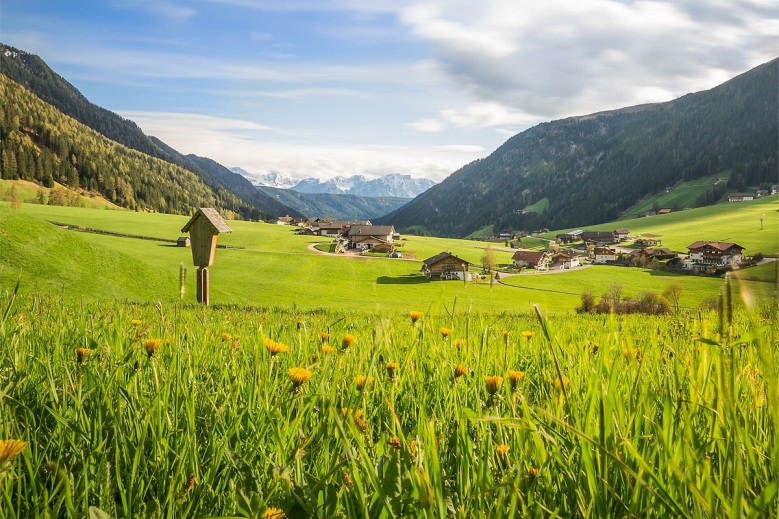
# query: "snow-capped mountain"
{"type": "Point", "coordinates": [270, 180]}
{"type": "Point", "coordinates": [402, 186]}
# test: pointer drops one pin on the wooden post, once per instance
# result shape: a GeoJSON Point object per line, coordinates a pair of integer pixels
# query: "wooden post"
{"type": "Point", "coordinates": [202, 285]}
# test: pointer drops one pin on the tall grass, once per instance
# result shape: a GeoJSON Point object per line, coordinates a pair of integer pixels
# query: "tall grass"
{"type": "Point", "coordinates": [637, 416]}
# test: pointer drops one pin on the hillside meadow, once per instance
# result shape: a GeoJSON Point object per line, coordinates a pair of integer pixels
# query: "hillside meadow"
{"type": "Point", "coordinates": [276, 267]}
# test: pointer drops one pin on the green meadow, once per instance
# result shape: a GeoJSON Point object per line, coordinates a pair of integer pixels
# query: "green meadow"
{"type": "Point", "coordinates": [277, 267]}
{"type": "Point", "coordinates": [683, 195]}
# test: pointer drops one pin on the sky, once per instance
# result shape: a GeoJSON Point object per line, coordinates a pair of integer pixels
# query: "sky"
{"type": "Point", "coordinates": [343, 87]}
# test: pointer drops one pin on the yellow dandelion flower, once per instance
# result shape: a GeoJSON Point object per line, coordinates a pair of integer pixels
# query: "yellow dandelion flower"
{"type": "Point", "coordinates": [299, 376]}
{"type": "Point", "coordinates": [351, 412]}
{"type": "Point", "coordinates": [226, 337]}
{"type": "Point", "coordinates": [460, 370]}
{"type": "Point", "coordinates": [327, 349]}
{"type": "Point", "coordinates": [493, 383]}
{"type": "Point", "coordinates": [9, 449]}
{"type": "Point", "coordinates": [559, 385]}
{"type": "Point", "coordinates": [516, 377]}
{"type": "Point", "coordinates": [459, 343]}
{"type": "Point", "coordinates": [528, 335]}
{"type": "Point", "coordinates": [152, 345]}
{"type": "Point", "coordinates": [505, 334]}
{"type": "Point", "coordinates": [273, 513]}
{"type": "Point", "coordinates": [363, 381]}
{"type": "Point", "coordinates": [136, 322]}
{"type": "Point", "coordinates": [445, 332]}
{"type": "Point", "coordinates": [82, 354]}
{"type": "Point", "coordinates": [502, 450]}
{"type": "Point", "coordinates": [348, 340]}
{"type": "Point", "coordinates": [415, 315]}
{"type": "Point", "coordinates": [532, 473]}
{"type": "Point", "coordinates": [392, 368]}
{"type": "Point", "coordinates": [275, 347]}
{"type": "Point", "coordinates": [325, 336]}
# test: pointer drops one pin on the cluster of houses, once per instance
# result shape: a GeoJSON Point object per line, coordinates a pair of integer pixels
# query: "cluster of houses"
{"type": "Point", "coordinates": [352, 234]}
{"type": "Point", "coordinates": [746, 197]}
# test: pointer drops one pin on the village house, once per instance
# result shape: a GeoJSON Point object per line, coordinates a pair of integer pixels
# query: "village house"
{"type": "Point", "coordinates": [285, 220]}
{"type": "Point", "coordinates": [646, 242]}
{"type": "Point", "coordinates": [332, 229]}
{"type": "Point", "coordinates": [564, 260]}
{"type": "Point", "coordinates": [604, 255]}
{"type": "Point", "coordinates": [713, 253]}
{"type": "Point", "coordinates": [741, 197]}
{"type": "Point", "coordinates": [762, 192]}
{"type": "Point", "coordinates": [621, 234]}
{"type": "Point", "coordinates": [570, 237]}
{"type": "Point", "coordinates": [775, 189]}
{"type": "Point", "coordinates": [538, 260]}
{"type": "Point", "coordinates": [370, 236]}
{"type": "Point", "coordinates": [665, 211]}
{"type": "Point", "coordinates": [599, 237]}
{"type": "Point", "coordinates": [183, 241]}
{"type": "Point", "coordinates": [446, 265]}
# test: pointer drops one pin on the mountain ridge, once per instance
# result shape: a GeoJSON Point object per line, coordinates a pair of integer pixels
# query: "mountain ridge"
{"type": "Point", "coordinates": [594, 167]}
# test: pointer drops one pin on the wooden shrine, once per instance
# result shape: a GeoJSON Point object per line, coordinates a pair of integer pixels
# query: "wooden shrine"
{"type": "Point", "coordinates": [204, 228]}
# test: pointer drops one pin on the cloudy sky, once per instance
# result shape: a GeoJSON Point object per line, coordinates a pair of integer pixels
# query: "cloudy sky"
{"type": "Point", "coordinates": [340, 87]}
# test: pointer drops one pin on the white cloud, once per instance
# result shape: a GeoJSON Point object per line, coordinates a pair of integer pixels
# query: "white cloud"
{"type": "Point", "coordinates": [233, 142]}
{"type": "Point", "coordinates": [428, 125]}
{"type": "Point", "coordinates": [167, 9]}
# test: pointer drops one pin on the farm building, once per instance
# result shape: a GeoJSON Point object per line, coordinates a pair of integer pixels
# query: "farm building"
{"type": "Point", "coordinates": [621, 234]}
{"type": "Point", "coordinates": [665, 211]}
{"type": "Point", "coordinates": [565, 260]}
{"type": "Point", "coordinates": [538, 260]}
{"type": "Point", "coordinates": [370, 236]}
{"type": "Point", "coordinates": [775, 189]}
{"type": "Point", "coordinates": [599, 237]}
{"type": "Point", "coordinates": [332, 229]}
{"type": "Point", "coordinates": [446, 265]}
{"type": "Point", "coordinates": [569, 237]}
{"type": "Point", "coordinates": [647, 242]}
{"type": "Point", "coordinates": [649, 254]}
{"type": "Point", "coordinates": [604, 255]}
{"type": "Point", "coordinates": [715, 253]}
{"type": "Point", "coordinates": [285, 220]}
{"type": "Point", "coordinates": [741, 197]}
{"type": "Point", "coordinates": [183, 241]}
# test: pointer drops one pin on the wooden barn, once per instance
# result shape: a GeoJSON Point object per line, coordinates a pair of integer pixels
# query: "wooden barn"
{"type": "Point", "coordinates": [445, 265]}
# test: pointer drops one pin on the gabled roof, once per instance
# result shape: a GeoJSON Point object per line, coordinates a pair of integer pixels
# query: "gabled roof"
{"type": "Point", "coordinates": [621, 231]}
{"type": "Point", "coordinates": [664, 211]}
{"type": "Point", "coordinates": [212, 217]}
{"type": "Point", "coordinates": [370, 230]}
{"type": "Point", "coordinates": [719, 245]}
{"type": "Point", "coordinates": [441, 256]}
{"type": "Point", "coordinates": [530, 256]}
{"type": "Point", "coordinates": [604, 251]}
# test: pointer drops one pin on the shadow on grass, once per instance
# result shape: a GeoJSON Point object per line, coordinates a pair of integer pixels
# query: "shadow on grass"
{"type": "Point", "coordinates": [408, 279]}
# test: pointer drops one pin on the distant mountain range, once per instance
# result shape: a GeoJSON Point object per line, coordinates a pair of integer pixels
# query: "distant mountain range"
{"type": "Point", "coordinates": [393, 185]}
{"type": "Point", "coordinates": [341, 207]}
{"type": "Point", "coordinates": [591, 169]}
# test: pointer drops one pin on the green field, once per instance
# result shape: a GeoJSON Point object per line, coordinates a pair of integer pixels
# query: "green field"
{"type": "Point", "coordinates": [277, 268]}
{"type": "Point", "coordinates": [736, 222]}
{"type": "Point", "coordinates": [539, 206]}
{"type": "Point", "coordinates": [177, 411]}
{"type": "Point", "coordinates": [683, 195]}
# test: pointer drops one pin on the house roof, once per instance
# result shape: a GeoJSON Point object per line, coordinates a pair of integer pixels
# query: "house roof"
{"type": "Point", "coordinates": [212, 217]}
{"type": "Point", "coordinates": [719, 245]}
{"type": "Point", "coordinates": [621, 231]}
{"type": "Point", "coordinates": [596, 235]}
{"type": "Point", "coordinates": [370, 230]}
{"type": "Point", "coordinates": [741, 195]}
{"type": "Point", "coordinates": [664, 211]}
{"type": "Point", "coordinates": [441, 256]}
{"type": "Point", "coordinates": [604, 251]}
{"type": "Point", "coordinates": [530, 256]}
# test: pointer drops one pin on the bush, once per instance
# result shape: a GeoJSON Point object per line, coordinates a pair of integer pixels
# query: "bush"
{"type": "Point", "coordinates": [758, 256]}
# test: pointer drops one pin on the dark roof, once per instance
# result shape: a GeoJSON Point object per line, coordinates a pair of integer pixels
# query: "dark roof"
{"type": "Point", "coordinates": [212, 217]}
{"type": "Point", "coordinates": [598, 235]}
{"type": "Point", "coordinates": [530, 256]}
{"type": "Point", "coordinates": [621, 231]}
{"type": "Point", "coordinates": [742, 194]}
{"type": "Point", "coordinates": [370, 230]}
{"type": "Point", "coordinates": [719, 245]}
{"type": "Point", "coordinates": [440, 256]}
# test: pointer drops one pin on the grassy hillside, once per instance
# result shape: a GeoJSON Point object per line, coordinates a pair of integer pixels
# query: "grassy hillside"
{"type": "Point", "coordinates": [737, 222]}
{"type": "Point", "coordinates": [277, 268]}
{"type": "Point", "coordinates": [539, 207]}
{"type": "Point", "coordinates": [343, 207]}
{"type": "Point", "coordinates": [50, 259]}
{"type": "Point", "coordinates": [683, 195]}
{"type": "Point", "coordinates": [29, 190]}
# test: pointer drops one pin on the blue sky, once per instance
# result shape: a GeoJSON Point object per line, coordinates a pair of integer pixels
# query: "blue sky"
{"type": "Point", "coordinates": [420, 87]}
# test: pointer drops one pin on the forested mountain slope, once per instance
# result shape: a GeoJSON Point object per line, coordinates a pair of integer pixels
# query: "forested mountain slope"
{"type": "Point", "coordinates": [340, 206]}
{"type": "Point", "coordinates": [40, 143]}
{"type": "Point", "coordinates": [31, 72]}
{"type": "Point", "coordinates": [592, 168]}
